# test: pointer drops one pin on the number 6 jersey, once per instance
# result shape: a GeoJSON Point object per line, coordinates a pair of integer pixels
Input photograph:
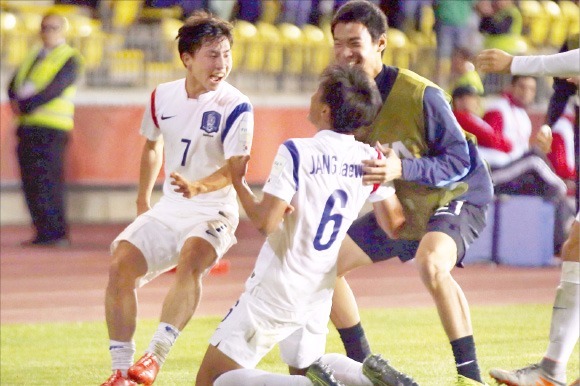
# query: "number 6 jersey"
{"type": "Point", "coordinates": [321, 177]}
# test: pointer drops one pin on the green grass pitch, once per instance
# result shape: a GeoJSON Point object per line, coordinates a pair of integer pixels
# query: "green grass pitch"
{"type": "Point", "coordinates": [412, 339]}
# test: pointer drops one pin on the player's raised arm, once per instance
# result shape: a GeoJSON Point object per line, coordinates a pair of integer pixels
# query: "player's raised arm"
{"type": "Point", "coordinates": [267, 214]}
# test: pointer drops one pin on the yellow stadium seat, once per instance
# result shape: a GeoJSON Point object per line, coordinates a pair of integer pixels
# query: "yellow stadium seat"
{"type": "Point", "coordinates": [293, 48]}
{"type": "Point", "coordinates": [400, 51]}
{"type": "Point", "coordinates": [571, 12]}
{"type": "Point", "coordinates": [127, 67]}
{"type": "Point", "coordinates": [269, 47]}
{"type": "Point", "coordinates": [427, 21]}
{"type": "Point", "coordinates": [270, 11]}
{"type": "Point", "coordinates": [152, 13]}
{"type": "Point", "coordinates": [536, 22]}
{"type": "Point", "coordinates": [125, 13]}
{"type": "Point", "coordinates": [317, 49]}
{"type": "Point", "coordinates": [245, 34]}
{"type": "Point", "coordinates": [558, 24]}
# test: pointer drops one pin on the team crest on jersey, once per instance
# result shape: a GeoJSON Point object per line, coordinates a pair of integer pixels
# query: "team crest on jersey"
{"type": "Point", "coordinates": [210, 121]}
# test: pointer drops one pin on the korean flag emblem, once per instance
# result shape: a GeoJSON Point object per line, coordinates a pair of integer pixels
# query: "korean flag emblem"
{"type": "Point", "coordinates": [210, 121]}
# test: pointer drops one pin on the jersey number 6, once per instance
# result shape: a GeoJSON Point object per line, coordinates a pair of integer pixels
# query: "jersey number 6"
{"type": "Point", "coordinates": [327, 218]}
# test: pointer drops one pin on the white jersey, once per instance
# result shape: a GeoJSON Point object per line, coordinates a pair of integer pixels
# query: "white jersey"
{"type": "Point", "coordinates": [563, 64]}
{"type": "Point", "coordinates": [199, 135]}
{"type": "Point", "coordinates": [321, 177]}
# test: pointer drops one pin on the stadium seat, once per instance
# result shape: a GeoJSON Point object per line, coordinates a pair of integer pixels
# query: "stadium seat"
{"type": "Point", "coordinates": [269, 48]}
{"type": "Point", "coordinates": [245, 34]}
{"type": "Point", "coordinates": [571, 12]}
{"type": "Point", "coordinates": [400, 51]}
{"type": "Point", "coordinates": [270, 11]}
{"type": "Point", "coordinates": [125, 13]}
{"type": "Point", "coordinates": [293, 47]}
{"type": "Point", "coordinates": [169, 30]}
{"type": "Point", "coordinates": [536, 22]}
{"type": "Point", "coordinates": [558, 26]}
{"type": "Point", "coordinates": [317, 49]}
{"type": "Point", "coordinates": [127, 67]}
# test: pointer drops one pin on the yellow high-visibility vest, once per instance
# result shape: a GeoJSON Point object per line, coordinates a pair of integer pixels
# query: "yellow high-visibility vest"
{"type": "Point", "coordinates": [57, 113]}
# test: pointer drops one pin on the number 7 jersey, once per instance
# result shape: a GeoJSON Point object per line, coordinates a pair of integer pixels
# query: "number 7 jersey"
{"type": "Point", "coordinates": [321, 177]}
{"type": "Point", "coordinates": [199, 135]}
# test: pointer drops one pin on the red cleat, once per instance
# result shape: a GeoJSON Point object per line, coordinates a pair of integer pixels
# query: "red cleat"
{"type": "Point", "coordinates": [220, 268]}
{"type": "Point", "coordinates": [117, 379]}
{"type": "Point", "coordinates": [145, 370]}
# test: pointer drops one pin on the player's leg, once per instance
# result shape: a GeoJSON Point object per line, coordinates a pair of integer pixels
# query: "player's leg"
{"type": "Point", "coordinates": [205, 239]}
{"type": "Point", "coordinates": [439, 251]}
{"type": "Point", "coordinates": [195, 259]}
{"type": "Point", "coordinates": [365, 243]}
{"type": "Point", "coordinates": [127, 265]}
{"type": "Point", "coordinates": [564, 329]}
{"type": "Point", "coordinates": [344, 313]}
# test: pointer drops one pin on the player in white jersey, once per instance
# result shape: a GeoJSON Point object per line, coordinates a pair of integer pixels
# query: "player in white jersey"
{"type": "Point", "coordinates": [195, 124]}
{"type": "Point", "coordinates": [288, 296]}
{"type": "Point", "coordinates": [565, 327]}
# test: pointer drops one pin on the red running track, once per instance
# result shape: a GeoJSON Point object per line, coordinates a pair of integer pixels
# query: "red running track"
{"type": "Point", "coordinates": [53, 285]}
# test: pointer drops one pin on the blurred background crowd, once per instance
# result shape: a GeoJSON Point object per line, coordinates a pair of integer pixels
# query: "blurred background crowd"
{"type": "Point", "coordinates": [282, 45]}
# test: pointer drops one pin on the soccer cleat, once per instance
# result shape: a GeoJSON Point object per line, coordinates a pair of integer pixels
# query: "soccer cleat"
{"type": "Point", "coordinates": [532, 375]}
{"type": "Point", "coordinates": [464, 381]}
{"type": "Point", "coordinates": [117, 379]}
{"type": "Point", "coordinates": [321, 375]}
{"type": "Point", "coordinates": [381, 373]}
{"type": "Point", "coordinates": [145, 370]}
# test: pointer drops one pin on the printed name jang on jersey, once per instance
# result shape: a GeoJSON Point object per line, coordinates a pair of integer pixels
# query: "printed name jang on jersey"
{"type": "Point", "coordinates": [327, 164]}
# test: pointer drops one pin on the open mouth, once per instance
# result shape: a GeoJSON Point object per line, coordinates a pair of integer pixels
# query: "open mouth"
{"type": "Point", "coordinates": [217, 77]}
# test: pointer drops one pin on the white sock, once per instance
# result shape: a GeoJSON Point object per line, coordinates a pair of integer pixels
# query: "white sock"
{"type": "Point", "coordinates": [162, 341]}
{"type": "Point", "coordinates": [121, 355]}
{"type": "Point", "coordinates": [346, 370]}
{"type": "Point", "coordinates": [253, 377]}
{"type": "Point", "coordinates": [565, 325]}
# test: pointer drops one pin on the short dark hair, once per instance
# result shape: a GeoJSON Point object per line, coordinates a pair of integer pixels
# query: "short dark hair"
{"type": "Point", "coordinates": [352, 96]}
{"type": "Point", "coordinates": [463, 90]}
{"type": "Point", "coordinates": [202, 27]}
{"type": "Point", "coordinates": [364, 12]}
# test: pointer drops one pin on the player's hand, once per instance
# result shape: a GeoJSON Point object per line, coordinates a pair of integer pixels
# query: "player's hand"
{"type": "Point", "coordinates": [378, 171]}
{"type": "Point", "coordinates": [186, 188]}
{"type": "Point", "coordinates": [494, 60]}
{"type": "Point", "coordinates": [238, 166]}
{"type": "Point", "coordinates": [574, 80]}
{"type": "Point", "coordinates": [543, 139]}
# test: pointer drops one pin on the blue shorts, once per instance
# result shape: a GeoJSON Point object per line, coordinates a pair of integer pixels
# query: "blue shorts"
{"type": "Point", "coordinates": [462, 221]}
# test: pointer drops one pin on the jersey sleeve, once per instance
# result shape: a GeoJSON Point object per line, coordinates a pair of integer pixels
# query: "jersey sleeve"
{"type": "Point", "coordinates": [239, 131]}
{"type": "Point", "coordinates": [383, 192]}
{"type": "Point", "coordinates": [282, 181]}
{"type": "Point", "coordinates": [149, 127]}
{"type": "Point", "coordinates": [563, 64]}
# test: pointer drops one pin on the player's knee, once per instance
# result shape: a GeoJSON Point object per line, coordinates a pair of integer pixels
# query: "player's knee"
{"type": "Point", "coordinates": [433, 270]}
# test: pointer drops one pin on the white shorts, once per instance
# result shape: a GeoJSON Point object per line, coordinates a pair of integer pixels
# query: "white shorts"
{"type": "Point", "coordinates": [161, 232]}
{"type": "Point", "coordinates": [252, 328]}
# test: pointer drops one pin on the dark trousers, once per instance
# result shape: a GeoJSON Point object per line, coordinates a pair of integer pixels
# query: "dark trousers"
{"type": "Point", "coordinates": [41, 158]}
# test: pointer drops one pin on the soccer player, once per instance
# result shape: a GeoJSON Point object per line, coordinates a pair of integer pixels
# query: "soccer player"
{"type": "Point", "coordinates": [441, 181]}
{"type": "Point", "coordinates": [564, 330]}
{"type": "Point", "coordinates": [288, 296]}
{"type": "Point", "coordinates": [195, 124]}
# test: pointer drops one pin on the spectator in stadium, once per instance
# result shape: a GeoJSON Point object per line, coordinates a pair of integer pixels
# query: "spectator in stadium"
{"type": "Point", "coordinates": [523, 170]}
{"type": "Point", "coordinates": [452, 31]}
{"type": "Point", "coordinates": [463, 71]}
{"type": "Point", "coordinates": [466, 108]}
{"type": "Point", "coordinates": [564, 329]}
{"type": "Point", "coordinates": [501, 23]}
{"type": "Point", "coordinates": [440, 173]}
{"type": "Point", "coordinates": [41, 96]}
{"type": "Point", "coordinates": [288, 297]}
{"type": "Point", "coordinates": [193, 125]}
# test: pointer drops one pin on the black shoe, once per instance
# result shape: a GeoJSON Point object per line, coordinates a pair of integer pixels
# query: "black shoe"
{"type": "Point", "coordinates": [62, 242]}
